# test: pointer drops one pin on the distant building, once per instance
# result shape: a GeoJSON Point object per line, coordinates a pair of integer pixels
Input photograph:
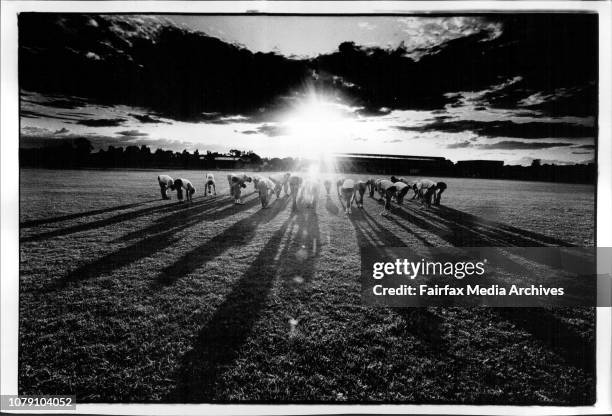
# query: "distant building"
{"type": "Point", "coordinates": [479, 168]}
{"type": "Point", "coordinates": [223, 162]}
{"type": "Point", "coordinates": [392, 164]}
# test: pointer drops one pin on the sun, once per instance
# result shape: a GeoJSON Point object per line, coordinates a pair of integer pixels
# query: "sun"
{"type": "Point", "coordinates": [319, 124]}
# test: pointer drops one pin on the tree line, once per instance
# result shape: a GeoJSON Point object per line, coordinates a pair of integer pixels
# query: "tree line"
{"type": "Point", "coordinates": [79, 154]}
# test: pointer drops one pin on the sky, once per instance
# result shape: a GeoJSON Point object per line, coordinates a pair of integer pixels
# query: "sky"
{"type": "Point", "coordinates": [498, 87]}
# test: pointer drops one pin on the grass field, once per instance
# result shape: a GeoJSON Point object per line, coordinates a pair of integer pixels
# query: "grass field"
{"type": "Point", "coordinates": [128, 298]}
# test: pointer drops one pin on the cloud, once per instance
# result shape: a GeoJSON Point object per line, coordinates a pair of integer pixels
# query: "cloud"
{"type": "Point", "coordinates": [586, 146]}
{"type": "Point", "coordinates": [132, 133]}
{"type": "Point", "coordinates": [459, 145]}
{"type": "Point", "coordinates": [393, 141]}
{"type": "Point", "coordinates": [63, 130]}
{"type": "Point", "coordinates": [176, 72]}
{"type": "Point", "coordinates": [516, 145]}
{"type": "Point", "coordinates": [249, 132]}
{"type": "Point", "coordinates": [146, 118]}
{"type": "Point", "coordinates": [272, 130]}
{"type": "Point", "coordinates": [507, 128]}
{"type": "Point", "coordinates": [102, 122]}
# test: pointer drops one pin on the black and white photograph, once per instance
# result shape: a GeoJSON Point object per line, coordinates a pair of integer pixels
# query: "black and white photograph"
{"type": "Point", "coordinates": [196, 191]}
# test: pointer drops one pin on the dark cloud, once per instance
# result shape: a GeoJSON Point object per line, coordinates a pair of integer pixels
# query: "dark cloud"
{"type": "Point", "coordinates": [516, 145]}
{"type": "Point", "coordinates": [582, 153]}
{"type": "Point", "coordinates": [178, 73]}
{"type": "Point", "coordinates": [586, 146]}
{"type": "Point", "coordinates": [272, 130]}
{"type": "Point", "coordinates": [507, 128]}
{"type": "Point", "coordinates": [249, 132]}
{"type": "Point", "coordinates": [102, 122]}
{"type": "Point", "coordinates": [63, 130]}
{"type": "Point", "coordinates": [132, 133]}
{"type": "Point", "coordinates": [459, 145]}
{"type": "Point", "coordinates": [146, 118]}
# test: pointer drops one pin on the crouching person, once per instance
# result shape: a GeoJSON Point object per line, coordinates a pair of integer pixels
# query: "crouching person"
{"type": "Point", "coordinates": [426, 189]}
{"type": "Point", "coordinates": [280, 183]}
{"type": "Point", "coordinates": [179, 185]}
{"type": "Point", "coordinates": [440, 187]}
{"type": "Point", "coordinates": [360, 189]}
{"type": "Point", "coordinates": [401, 189]}
{"type": "Point", "coordinates": [165, 183]}
{"type": "Point", "coordinates": [327, 184]}
{"type": "Point", "coordinates": [371, 186]}
{"type": "Point", "coordinates": [266, 189]}
{"type": "Point", "coordinates": [386, 189]}
{"type": "Point", "coordinates": [295, 182]}
{"type": "Point", "coordinates": [210, 186]}
{"type": "Point", "coordinates": [308, 194]}
{"type": "Point", "coordinates": [237, 182]}
{"type": "Point", "coordinates": [347, 190]}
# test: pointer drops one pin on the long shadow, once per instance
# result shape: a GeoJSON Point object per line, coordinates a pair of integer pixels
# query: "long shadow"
{"type": "Point", "coordinates": [238, 234]}
{"type": "Point", "coordinates": [156, 239]}
{"type": "Point", "coordinates": [469, 219]}
{"type": "Point", "coordinates": [420, 322]}
{"type": "Point", "coordinates": [470, 230]}
{"type": "Point", "coordinates": [466, 230]}
{"type": "Point", "coordinates": [176, 206]}
{"type": "Point", "coordinates": [300, 254]}
{"type": "Point", "coordinates": [121, 257]}
{"type": "Point", "coordinates": [34, 223]}
{"type": "Point", "coordinates": [543, 325]}
{"type": "Point", "coordinates": [190, 215]}
{"type": "Point", "coordinates": [330, 206]}
{"type": "Point", "coordinates": [218, 342]}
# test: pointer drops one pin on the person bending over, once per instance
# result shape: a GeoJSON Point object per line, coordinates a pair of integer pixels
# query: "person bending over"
{"type": "Point", "coordinates": [210, 186]}
{"type": "Point", "coordinates": [180, 184]}
{"type": "Point", "coordinates": [165, 183]}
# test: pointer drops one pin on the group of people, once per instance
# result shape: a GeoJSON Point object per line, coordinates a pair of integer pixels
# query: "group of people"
{"type": "Point", "coordinates": [305, 191]}
{"type": "Point", "coordinates": [424, 190]}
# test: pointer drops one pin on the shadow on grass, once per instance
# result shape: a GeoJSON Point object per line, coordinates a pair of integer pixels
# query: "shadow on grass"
{"type": "Point", "coordinates": [218, 342]}
{"type": "Point", "coordinates": [299, 256]}
{"type": "Point", "coordinates": [157, 238]}
{"type": "Point", "coordinates": [466, 230]}
{"type": "Point", "coordinates": [562, 339]}
{"type": "Point", "coordinates": [172, 207]}
{"type": "Point", "coordinates": [238, 234]}
{"type": "Point", "coordinates": [34, 223]}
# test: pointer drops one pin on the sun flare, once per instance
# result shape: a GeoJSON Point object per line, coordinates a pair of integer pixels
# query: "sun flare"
{"type": "Point", "coordinates": [318, 125]}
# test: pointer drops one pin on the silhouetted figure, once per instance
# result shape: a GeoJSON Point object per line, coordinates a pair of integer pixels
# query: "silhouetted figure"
{"type": "Point", "coordinates": [237, 181]}
{"type": "Point", "coordinates": [295, 182]}
{"type": "Point", "coordinates": [308, 194]}
{"type": "Point", "coordinates": [440, 187]}
{"type": "Point", "coordinates": [210, 186]}
{"type": "Point", "coordinates": [165, 182]}
{"type": "Point", "coordinates": [339, 183]}
{"type": "Point", "coordinates": [180, 184]}
{"type": "Point", "coordinates": [371, 186]}
{"type": "Point", "coordinates": [386, 189]}
{"type": "Point", "coordinates": [401, 189]}
{"type": "Point", "coordinates": [426, 188]}
{"type": "Point", "coordinates": [280, 183]}
{"type": "Point", "coordinates": [327, 183]}
{"type": "Point", "coordinates": [360, 189]}
{"type": "Point", "coordinates": [347, 190]}
{"type": "Point", "coordinates": [266, 189]}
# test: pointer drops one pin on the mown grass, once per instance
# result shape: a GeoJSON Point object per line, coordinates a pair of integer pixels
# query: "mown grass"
{"type": "Point", "coordinates": [128, 298]}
